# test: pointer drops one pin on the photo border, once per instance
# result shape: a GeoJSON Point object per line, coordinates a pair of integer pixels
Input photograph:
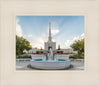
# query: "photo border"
{"type": "Point", "coordinates": [52, 73]}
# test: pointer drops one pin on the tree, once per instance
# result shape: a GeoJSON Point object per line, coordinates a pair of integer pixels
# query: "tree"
{"type": "Point", "coordinates": [41, 48]}
{"type": "Point", "coordinates": [59, 47]}
{"type": "Point", "coordinates": [35, 48]}
{"type": "Point", "coordinates": [22, 44]}
{"type": "Point", "coordinates": [37, 52]}
{"type": "Point", "coordinates": [79, 46]}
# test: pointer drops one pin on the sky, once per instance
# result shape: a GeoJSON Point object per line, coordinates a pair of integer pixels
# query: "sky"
{"type": "Point", "coordinates": [64, 29]}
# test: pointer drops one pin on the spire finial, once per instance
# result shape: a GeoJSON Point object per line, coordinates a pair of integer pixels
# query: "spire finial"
{"type": "Point", "coordinates": [50, 31]}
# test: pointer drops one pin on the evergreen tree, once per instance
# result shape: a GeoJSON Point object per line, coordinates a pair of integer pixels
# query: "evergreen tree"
{"type": "Point", "coordinates": [59, 47]}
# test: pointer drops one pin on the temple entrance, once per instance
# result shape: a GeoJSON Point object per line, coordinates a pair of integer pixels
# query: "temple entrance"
{"type": "Point", "coordinates": [49, 48]}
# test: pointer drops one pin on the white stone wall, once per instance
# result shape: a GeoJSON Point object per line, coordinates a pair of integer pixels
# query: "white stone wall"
{"type": "Point", "coordinates": [37, 56]}
{"type": "Point", "coordinates": [33, 50]}
{"type": "Point", "coordinates": [52, 44]}
{"type": "Point", "coordinates": [60, 56]}
{"type": "Point", "coordinates": [68, 51]}
{"type": "Point", "coordinates": [53, 47]}
{"type": "Point", "coordinates": [25, 51]}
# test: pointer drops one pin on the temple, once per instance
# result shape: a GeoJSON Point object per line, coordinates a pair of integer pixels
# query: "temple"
{"type": "Point", "coordinates": [50, 44]}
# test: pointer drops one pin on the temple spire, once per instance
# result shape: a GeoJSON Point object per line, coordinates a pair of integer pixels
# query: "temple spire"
{"type": "Point", "coordinates": [50, 38]}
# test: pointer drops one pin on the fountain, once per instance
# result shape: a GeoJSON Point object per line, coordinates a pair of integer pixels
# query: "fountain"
{"type": "Point", "coordinates": [50, 61]}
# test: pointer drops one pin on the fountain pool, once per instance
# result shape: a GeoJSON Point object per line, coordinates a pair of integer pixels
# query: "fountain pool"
{"type": "Point", "coordinates": [50, 61]}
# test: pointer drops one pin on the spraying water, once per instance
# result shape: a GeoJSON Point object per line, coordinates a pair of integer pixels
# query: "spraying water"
{"type": "Point", "coordinates": [44, 58]}
{"type": "Point", "coordinates": [51, 54]}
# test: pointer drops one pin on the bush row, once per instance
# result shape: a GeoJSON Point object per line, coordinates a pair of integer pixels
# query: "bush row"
{"type": "Point", "coordinates": [23, 56]}
{"type": "Point", "coordinates": [76, 56]}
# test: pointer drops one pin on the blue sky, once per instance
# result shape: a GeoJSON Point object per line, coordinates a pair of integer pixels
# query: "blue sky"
{"type": "Point", "coordinates": [65, 29]}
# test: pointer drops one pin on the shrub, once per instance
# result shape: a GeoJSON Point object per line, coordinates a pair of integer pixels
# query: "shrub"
{"type": "Point", "coordinates": [60, 52]}
{"type": "Point", "coordinates": [76, 56]}
{"type": "Point", "coordinates": [37, 52]}
{"type": "Point", "coordinates": [22, 56]}
{"type": "Point", "coordinates": [73, 56]}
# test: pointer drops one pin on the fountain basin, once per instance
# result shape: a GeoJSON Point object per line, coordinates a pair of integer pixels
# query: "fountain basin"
{"type": "Point", "coordinates": [50, 64]}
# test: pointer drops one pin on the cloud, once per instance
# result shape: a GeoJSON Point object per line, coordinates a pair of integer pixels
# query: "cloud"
{"type": "Point", "coordinates": [54, 31]}
{"type": "Point", "coordinates": [36, 45]}
{"type": "Point", "coordinates": [54, 28]}
{"type": "Point", "coordinates": [18, 28]}
{"type": "Point", "coordinates": [39, 42]}
{"type": "Point", "coordinates": [82, 36]}
{"type": "Point", "coordinates": [69, 42]}
{"type": "Point", "coordinates": [29, 36]}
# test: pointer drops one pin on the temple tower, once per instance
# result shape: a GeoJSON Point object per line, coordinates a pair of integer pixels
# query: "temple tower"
{"type": "Point", "coordinates": [50, 44]}
{"type": "Point", "coordinates": [49, 38]}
